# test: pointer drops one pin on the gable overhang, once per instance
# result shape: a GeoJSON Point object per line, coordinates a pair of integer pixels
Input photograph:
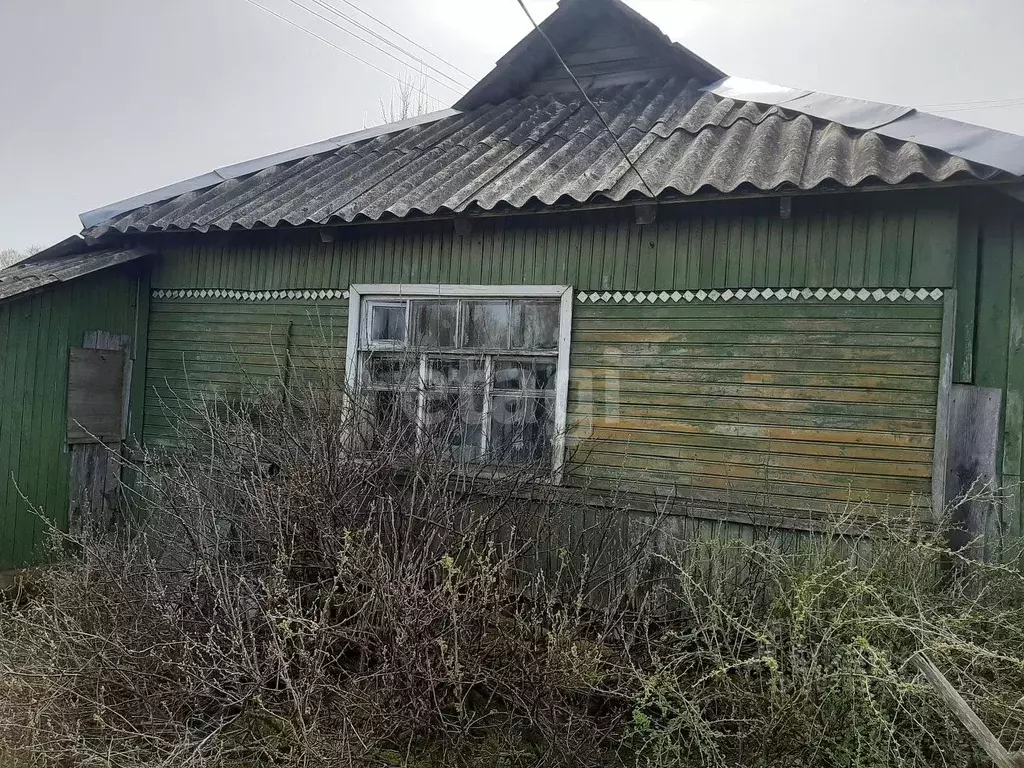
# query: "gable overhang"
{"type": "Point", "coordinates": [570, 21]}
{"type": "Point", "coordinates": [64, 262]}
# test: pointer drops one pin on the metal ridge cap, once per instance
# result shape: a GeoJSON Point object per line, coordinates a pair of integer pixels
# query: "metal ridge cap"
{"type": "Point", "coordinates": [100, 215]}
{"type": "Point", "coordinates": [979, 144]}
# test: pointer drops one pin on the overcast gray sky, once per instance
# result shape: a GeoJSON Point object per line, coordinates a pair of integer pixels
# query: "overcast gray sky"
{"type": "Point", "coordinates": [105, 99]}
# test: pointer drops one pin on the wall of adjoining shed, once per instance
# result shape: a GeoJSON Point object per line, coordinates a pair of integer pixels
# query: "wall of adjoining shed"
{"type": "Point", "coordinates": [826, 403]}
{"type": "Point", "coordinates": [36, 333]}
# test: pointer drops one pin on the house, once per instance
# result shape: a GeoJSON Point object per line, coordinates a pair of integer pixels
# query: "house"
{"type": "Point", "coordinates": [755, 302]}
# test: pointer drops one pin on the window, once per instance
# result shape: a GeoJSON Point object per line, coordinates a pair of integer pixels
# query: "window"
{"type": "Point", "coordinates": [477, 373]}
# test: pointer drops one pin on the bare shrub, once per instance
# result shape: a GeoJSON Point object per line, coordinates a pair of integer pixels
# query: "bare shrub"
{"type": "Point", "coordinates": [302, 585]}
{"type": "Point", "coordinates": [298, 583]}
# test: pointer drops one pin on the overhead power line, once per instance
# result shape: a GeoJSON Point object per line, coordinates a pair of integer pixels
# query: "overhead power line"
{"type": "Point", "coordinates": [387, 53]}
{"type": "Point", "coordinates": [387, 41]}
{"type": "Point", "coordinates": [343, 50]}
{"type": "Point", "coordinates": [409, 40]}
{"type": "Point", "coordinates": [587, 98]}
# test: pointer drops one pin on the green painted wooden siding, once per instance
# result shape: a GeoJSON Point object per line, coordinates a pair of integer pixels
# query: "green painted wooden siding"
{"type": "Point", "coordinates": [850, 241]}
{"type": "Point", "coordinates": [227, 348]}
{"type": "Point", "coordinates": [794, 406]}
{"type": "Point", "coordinates": [990, 329]}
{"type": "Point", "coordinates": [815, 403]}
{"type": "Point", "coordinates": [36, 333]}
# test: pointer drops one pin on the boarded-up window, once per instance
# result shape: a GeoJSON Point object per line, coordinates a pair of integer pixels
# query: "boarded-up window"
{"type": "Point", "coordinates": [95, 395]}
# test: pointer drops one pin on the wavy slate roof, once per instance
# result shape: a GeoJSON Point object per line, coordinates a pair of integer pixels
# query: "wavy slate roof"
{"type": "Point", "coordinates": [688, 130]}
{"type": "Point", "coordinates": [64, 262]}
{"type": "Point", "coordinates": [551, 149]}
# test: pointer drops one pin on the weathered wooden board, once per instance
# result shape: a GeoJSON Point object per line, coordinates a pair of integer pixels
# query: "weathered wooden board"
{"type": "Point", "coordinates": [972, 469]}
{"type": "Point", "coordinates": [99, 391]}
{"type": "Point", "coordinates": [96, 395]}
{"type": "Point", "coordinates": [223, 348]}
{"type": "Point", "coordinates": [35, 334]}
{"type": "Point", "coordinates": [872, 244]}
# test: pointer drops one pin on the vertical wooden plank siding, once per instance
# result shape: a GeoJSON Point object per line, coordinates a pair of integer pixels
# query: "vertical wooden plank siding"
{"type": "Point", "coordinates": [36, 333]}
{"type": "Point", "coordinates": [710, 246]}
{"type": "Point", "coordinates": [991, 271]}
{"type": "Point", "coordinates": [967, 296]}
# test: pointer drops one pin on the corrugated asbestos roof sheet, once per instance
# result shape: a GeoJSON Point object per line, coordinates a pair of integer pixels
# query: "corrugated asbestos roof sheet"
{"type": "Point", "coordinates": [553, 149]}
{"type": "Point", "coordinates": [43, 269]}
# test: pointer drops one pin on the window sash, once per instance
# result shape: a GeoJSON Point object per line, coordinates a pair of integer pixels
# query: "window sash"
{"type": "Point", "coordinates": [424, 388]}
{"type": "Point", "coordinates": [461, 342]}
{"type": "Point", "coordinates": [555, 397]}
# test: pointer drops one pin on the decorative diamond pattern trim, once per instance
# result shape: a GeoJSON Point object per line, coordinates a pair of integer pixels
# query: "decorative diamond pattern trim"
{"type": "Point", "coordinates": [222, 293]}
{"type": "Point", "coordinates": [739, 294]}
{"type": "Point", "coordinates": [729, 294]}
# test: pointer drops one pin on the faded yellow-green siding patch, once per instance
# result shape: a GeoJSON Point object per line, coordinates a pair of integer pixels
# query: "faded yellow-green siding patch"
{"type": "Point", "coordinates": [774, 406]}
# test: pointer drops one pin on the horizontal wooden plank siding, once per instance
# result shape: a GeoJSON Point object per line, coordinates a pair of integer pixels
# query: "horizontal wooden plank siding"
{"type": "Point", "coordinates": [201, 348]}
{"type": "Point", "coordinates": [849, 241]}
{"type": "Point", "coordinates": [36, 335]}
{"type": "Point", "coordinates": [784, 406]}
{"type": "Point", "coordinates": [799, 402]}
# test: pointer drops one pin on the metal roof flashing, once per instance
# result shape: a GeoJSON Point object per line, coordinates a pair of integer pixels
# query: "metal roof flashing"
{"type": "Point", "coordinates": [975, 143]}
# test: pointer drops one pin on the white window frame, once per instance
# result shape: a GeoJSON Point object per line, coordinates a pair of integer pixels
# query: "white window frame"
{"type": "Point", "coordinates": [384, 291]}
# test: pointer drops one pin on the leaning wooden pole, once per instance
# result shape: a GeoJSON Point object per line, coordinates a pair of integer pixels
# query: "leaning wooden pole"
{"type": "Point", "coordinates": [985, 738]}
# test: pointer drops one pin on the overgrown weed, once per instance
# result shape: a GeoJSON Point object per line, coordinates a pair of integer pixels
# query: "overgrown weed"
{"type": "Point", "coordinates": [289, 594]}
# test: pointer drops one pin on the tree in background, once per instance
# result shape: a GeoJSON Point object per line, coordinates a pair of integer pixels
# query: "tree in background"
{"type": "Point", "coordinates": [10, 256]}
{"type": "Point", "coordinates": [409, 98]}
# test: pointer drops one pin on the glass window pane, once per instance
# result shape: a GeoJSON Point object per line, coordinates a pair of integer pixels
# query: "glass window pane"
{"type": "Point", "coordinates": [522, 429]}
{"type": "Point", "coordinates": [391, 371]}
{"type": "Point", "coordinates": [453, 423]}
{"type": "Point", "coordinates": [486, 324]}
{"type": "Point", "coordinates": [435, 323]}
{"type": "Point", "coordinates": [516, 376]}
{"type": "Point", "coordinates": [469, 374]}
{"type": "Point", "coordinates": [535, 324]}
{"type": "Point", "coordinates": [387, 322]}
{"type": "Point", "coordinates": [391, 420]}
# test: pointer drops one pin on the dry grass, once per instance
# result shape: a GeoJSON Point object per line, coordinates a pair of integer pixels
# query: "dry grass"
{"type": "Point", "coordinates": [285, 598]}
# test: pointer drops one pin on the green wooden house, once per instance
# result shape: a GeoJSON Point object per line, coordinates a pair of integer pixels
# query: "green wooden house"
{"type": "Point", "coordinates": [753, 303]}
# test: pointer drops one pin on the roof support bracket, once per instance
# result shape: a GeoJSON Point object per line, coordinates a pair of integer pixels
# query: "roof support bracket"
{"type": "Point", "coordinates": [646, 213]}
{"type": "Point", "coordinates": [785, 208]}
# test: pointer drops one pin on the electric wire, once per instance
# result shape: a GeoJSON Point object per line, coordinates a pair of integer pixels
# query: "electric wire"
{"type": "Point", "coordinates": [345, 51]}
{"type": "Point", "coordinates": [390, 55]}
{"type": "Point", "coordinates": [409, 40]}
{"type": "Point", "coordinates": [976, 109]}
{"type": "Point", "coordinates": [373, 33]}
{"type": "Point", "coordinates": [1014, 99]}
